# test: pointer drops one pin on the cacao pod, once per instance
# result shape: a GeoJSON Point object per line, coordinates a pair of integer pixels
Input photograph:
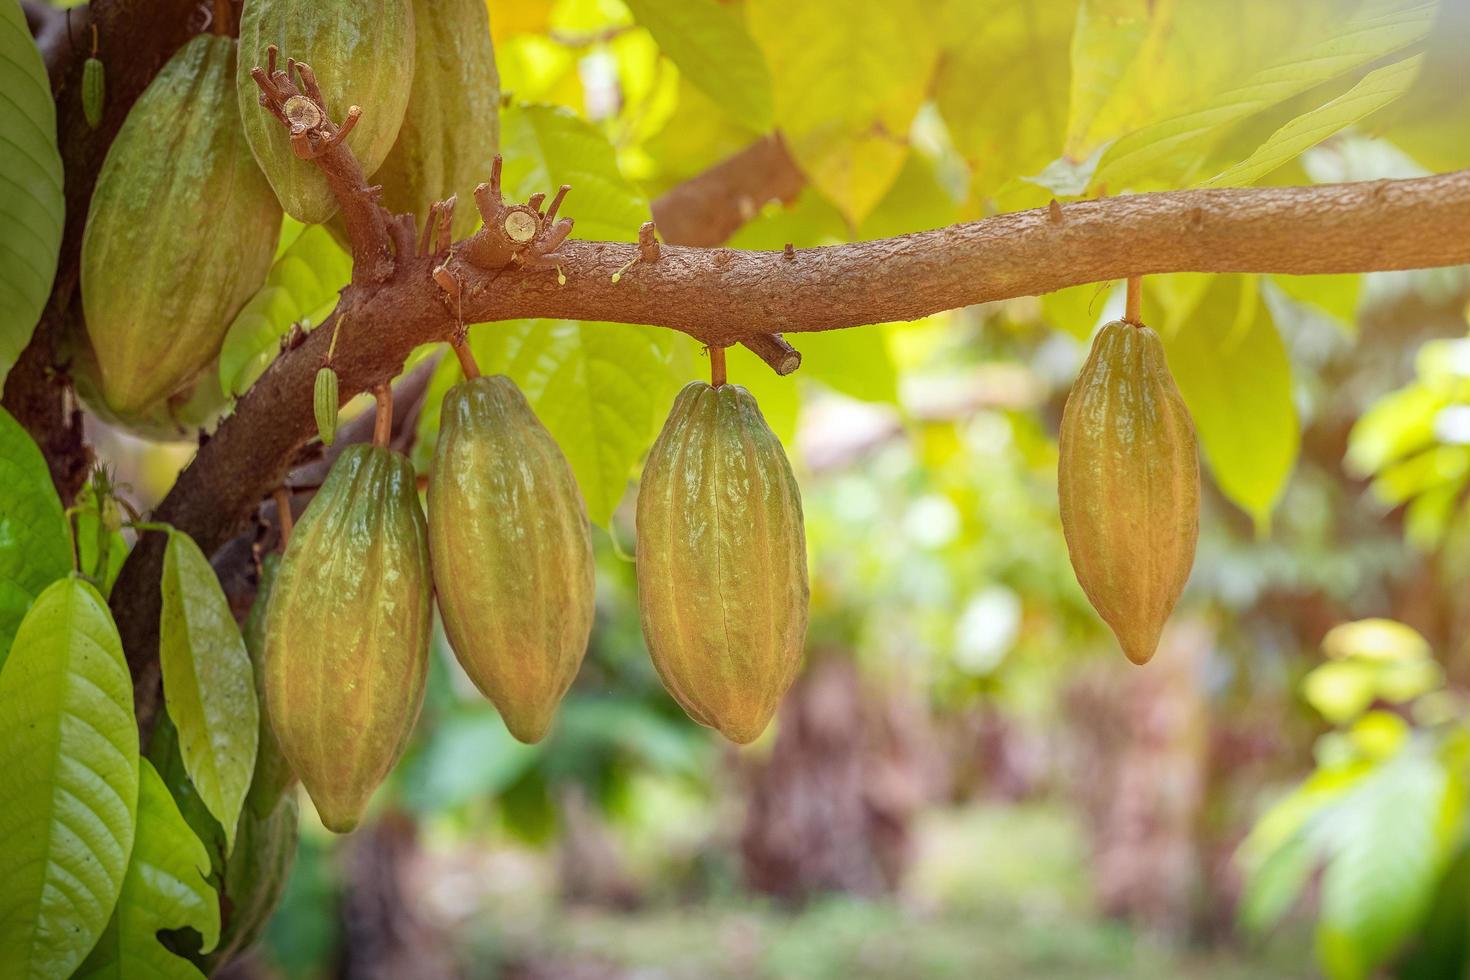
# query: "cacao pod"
{"type": "Point", "coordinates": [94, 91]}
{"type": "Point", "coordinates": [160, 283]}
{"type": "Point", "coordinates": [255, 877]}
{"type": "Point", "coordinates": [1128, 481]}
{"type": "Point", "coordinates": [194, 407]}
{"type": "Point", "coordinates": [452, 127]}
{"type": "Point", "coordinates": [722, 583]}
{"type": "Point", "coordinates": [324, 403]}
{"type": "Point", "coordinates": [347, 632]}
{"type": "Point", "coordinates": [362, 53]}
{"type": "Point", "coordinates": [512, 552]}
{"type": "Point", "coordinates": [273, 773]}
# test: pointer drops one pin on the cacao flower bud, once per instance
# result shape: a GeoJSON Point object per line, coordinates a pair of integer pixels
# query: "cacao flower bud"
{"type": "Point", "coordinates": [512, 552]}
{"type": "Point", "coordinates": [347, 632]}
{"type": "Point", "coordinates": [1128, 481]}
{"type": "Point", "coordinates": [722, 581]}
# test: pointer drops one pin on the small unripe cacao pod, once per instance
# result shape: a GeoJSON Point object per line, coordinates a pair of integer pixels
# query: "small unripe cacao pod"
{"type": "Point", "coordinates": [324, 402]}
{"type": "Point", "coordinates": [181, 231]}
{"type": "Point", "coordinates": [1128, 482]}
{"type": "Point", "coordinates": [347, 632]}
{"type": "Point", "coordinates": [94, 91]}
{"type": "Point", "coordinates": [722, 581]}
{"type": "Point", "coordinates": [452, 127]}
{"type": "Point", "coordinates": [512, 552]}
{"type": "Point", "coordinates": [362, 54]}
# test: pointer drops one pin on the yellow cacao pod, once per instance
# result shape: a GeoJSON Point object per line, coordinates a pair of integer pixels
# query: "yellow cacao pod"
{"type": "Point", "coordinates": [161, 282]}
{"type": "Point", "coordinates": [452, 127]}
{"type": "Point", "coordinates": [1128, 480]}
{"type": "Point", "coordinates": [362, 54]}
{"type": "Point", "coordinates": [512, 552]}
{"type": "Point", "coordinates": [347, 632]}
{"type": "Point", "coordinates": [722, 583]}
{"type": "Point", "coordinates": [324, 404]}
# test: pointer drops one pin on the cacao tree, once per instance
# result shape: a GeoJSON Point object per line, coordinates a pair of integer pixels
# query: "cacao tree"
{"type": "Point", "coordinates": [503, 242]}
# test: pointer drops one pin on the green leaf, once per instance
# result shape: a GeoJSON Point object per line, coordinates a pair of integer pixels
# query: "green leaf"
{"type": "Point", "coordinates": [32, 208]}
{"type": "Point", "coordinates": [471, 756]}
{"type": "Point", "coordinates": [1430, 122]}
{"type": "Point", "coordinates": [302, 286]}
{"type": "Point", "coordinates": [1400, 423]}
{"type": "Point", "coordinates": [1234, 375]}
{"type": "Point", "coordinates": [547, 146]}
{"type": "Point", "coordinates": [1374, 91]}
{"type": "Point", "coordinates": [256, 874]}
{"type": "Point", "coordinates": [165, 888]}
{"type": "Point", "coordinates": [847, 87]}
{"type": "Point", "coordinates": [1335, 295]}
{"type": "Point", "coordinates": [208, 683]}
{"type": "Point", "coordinates": [68, 781]}
{"type": "Point", "coordinates": [602, 390]}
{"type": "Point", "coordinates": [1273, 888]}
{"type": "Point", "coordinates": [272, 773]}
{"type": "Point", "coordinates": [854, 362]}
{"type": "Point", "coordinates": [993, 52]}
{"type": "Point", "coordinates": [712, 48]}
{"type": "Point", "coordinates": [1169, 150]}
{"type": "Point", "coordinates": [1386, 854]}
{"type": "Point", "coordinates": [34, 547]}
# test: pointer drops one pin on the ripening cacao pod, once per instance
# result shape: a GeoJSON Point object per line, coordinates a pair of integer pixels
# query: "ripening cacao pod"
{"type": "Point", "coordinates": [722, 584]}
{"type": "Point", "coordinates": [94, 91]}
{"type": "Point", "coordinates": [324, 403]}
{"type": "Point", "coordinates": [160, 281]}
{"type": "Point", "coordinates": [347, 632]}
{"type": "Point", "coordinates": [1128, 480]}
{"type": "Point", "coordinates": [179, 417]}
{"type": "Point", "coordinates": [362, 52]}
{"type": "Point", "coordinates": [512, 552]}
{"type": "Point", "coordinates": [273, 773]}
{"type": "Point", "coordinates": [452, 127]}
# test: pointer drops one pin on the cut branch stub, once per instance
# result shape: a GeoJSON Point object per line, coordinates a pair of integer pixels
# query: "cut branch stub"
{"type": "Point", "coordinates": [516, 233]}
{"type": "Point", "coordinates": [775, 351]}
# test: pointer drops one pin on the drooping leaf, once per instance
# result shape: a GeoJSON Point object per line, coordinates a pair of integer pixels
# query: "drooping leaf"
{"type": "Point", "coordinates": [1374, 91]}
{"type": "Point", "coordinates": [601, 389]}
{"type": "Point", "coordinates": [208, 684]}
{"type": "Point", "coordinates": [1430, 122]}
{"type": "Point", "coordinates": [1233, 372]}
{"type": "Point", "coordinates": [992, 52]}
{"type": "Point", "coordinates": [68, 781]}
{"type": "Point", "coordinates": [847, 88]}
{"type": "Point", "coordinates": [302, 288]}
{"type": "Point", "coordinates": [165, 888]}
{"type": "Point", "coordinates": [34, 546]}
{"type": "Point", "coordinates": [714, 51]}
{"type": "Point", "coordinates": [31, 205]}
{"type": "Point", "coordinates": [547, 146]}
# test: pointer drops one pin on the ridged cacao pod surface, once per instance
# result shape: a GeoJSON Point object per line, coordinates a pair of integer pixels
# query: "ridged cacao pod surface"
{"type": "Point", "coordinates": [195, 406]}
{"type": "Point", "coordinates": [347, 632]}
{"type": "Point", "coordinates": [512, 552]}
{"type": "Point", "coordinates": [452, 127]}
{"type": "Point", "coordinates": [722, 580]}
{"type": "Point", "coordinates": [1128, 482]}
{"type": "Point", "coordinates": [362, 53]}
{"type": "Point", "coordinates": [181, 231]}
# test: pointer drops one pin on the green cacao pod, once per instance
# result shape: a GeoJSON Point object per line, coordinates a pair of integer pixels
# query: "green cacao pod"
{"type": "Point", "coordinates": [179, 417]}
{"type": "Point", "coordinates": [362, 52]}
{"type": "Point", "coordinates": [452, 127]}
{"type": "Point", "coordinates": [94, 91]}
{"type": "Point", "coordinates": [160, 282]}
{"type": "Point", "coordinates": [722, 583]}
{"type": "Point", "coordinates": [255, 877]}
{"type": "Point", "coordinates": [347, 632]}
{"type": "Point", "coordinates": [1128, 481]}
{"type": "Point", "coordinates": [273, 773]}
{"type": "Point", "coordinates": [324, 404]}
{"type": "Point", "coordinates": [512, 552]}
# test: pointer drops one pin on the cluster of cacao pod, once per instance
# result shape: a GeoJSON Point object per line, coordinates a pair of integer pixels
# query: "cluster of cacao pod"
{"type": "Point", "coordinates": [506, 546]}
{"type": "Point", "coordinates": [1128, 482]}
{"type": "Point", "coordinates": [160, 285]}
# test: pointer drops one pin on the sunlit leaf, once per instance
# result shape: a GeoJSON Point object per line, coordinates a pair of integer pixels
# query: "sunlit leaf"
{"type": "Point", "coordinates": [302, 287]}
{"type": "Point", "coordinates": [1234, 375]}
{"type": "Point", "coordinates": [1431, 120]}
{"type": "Point", "coordinates": [470, 757]}
{"type": "Point", "coordinates": [31, 203]}
{"type": "Point", "coordinates": [1337, 296]}
{"type": "Point", "coordinates": [165, 888]}
{"type": "Point", "coordinates": [1375, 639]}
{"type": "Point", "coordinates": [714, 51]}
{"type": "Point", "coordinates": [847, 87]}
{"type": "Point", "coordinates": [207, 681]}
{"type": "Point", "coordinates": [68, 781]}
{"type": "Point", "coordinates": [34, 546]}
{"type": "Point", "coordinates": [1340, 691]}
{"type": "Point", "coordinates": [1396, 425]}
